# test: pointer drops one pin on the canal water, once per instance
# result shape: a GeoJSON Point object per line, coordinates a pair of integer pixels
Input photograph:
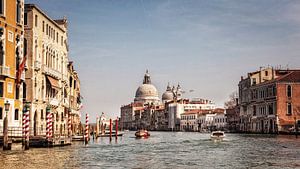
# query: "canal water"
{"type": "Point", "coordinates": [164, 150]}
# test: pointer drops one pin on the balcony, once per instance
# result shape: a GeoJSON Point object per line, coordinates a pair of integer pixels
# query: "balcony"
{"type": "Point", "coordinates": [4, 71]}
{"type": "Point", "coordinates": [37, 65]}
{"type": "Point", "coordinates": [49, 71]}
{"type": "Point", "coordinates": [54, 102]}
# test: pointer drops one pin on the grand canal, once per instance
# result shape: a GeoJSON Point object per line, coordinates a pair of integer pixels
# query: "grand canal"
{"type": "Point", "coordinates": [164, 150]}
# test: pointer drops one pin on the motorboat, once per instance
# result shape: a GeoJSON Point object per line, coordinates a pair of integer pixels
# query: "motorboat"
{"type": "Point", "coordinates": [142, 133]}
{"type": "Point", "coordinates": [217, 135]}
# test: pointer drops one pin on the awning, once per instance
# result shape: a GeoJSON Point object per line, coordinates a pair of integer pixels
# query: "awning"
{"type": "Point", "coordinates": [54, 83]}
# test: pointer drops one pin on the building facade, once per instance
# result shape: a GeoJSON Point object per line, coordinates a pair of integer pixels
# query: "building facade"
{"type": "Point", "coordinates": [269, 102]}
{"type": "Point", "coordinates": [73, 98]}
{"type": "Point", "coordinates": [47, 80]}
{"type": "Point", "coordinates": [176, 108]}
{"type": "Point", "coordinates": [12, 61]}
{"type": "Point", "coordinates": [212, 120]}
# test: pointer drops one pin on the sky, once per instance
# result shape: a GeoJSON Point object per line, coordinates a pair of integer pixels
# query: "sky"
{"type": "Point", "coordinates": [206, 46]}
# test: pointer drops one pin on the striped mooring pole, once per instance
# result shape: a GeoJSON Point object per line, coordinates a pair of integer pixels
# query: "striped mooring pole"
{"type": "Point", "coordinates": [86, 137]}
{"type": "Point", "coordinates": [110, 129]}
{"type": "Point", "coordinates": [23, 128]}
{"type": "Point", "coordinates": [27, 131]}
{"type": "Point", "coordinates": [49, 125]}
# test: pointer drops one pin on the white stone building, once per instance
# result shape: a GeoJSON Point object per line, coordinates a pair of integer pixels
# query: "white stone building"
{"type": "Point", "coordinates": [212, 120]}
{"type": "Point", "coordinates": [47, 80]}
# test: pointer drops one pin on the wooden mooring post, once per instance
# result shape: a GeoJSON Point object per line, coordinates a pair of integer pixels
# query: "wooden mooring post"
{"type": "Point", "coordinates": [116, 129]}
{"type": "Point", "coordinates": [110, 129]}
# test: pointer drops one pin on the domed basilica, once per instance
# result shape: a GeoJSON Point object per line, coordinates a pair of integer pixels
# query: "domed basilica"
{"type": "Point", "coordinates": [147, 92]}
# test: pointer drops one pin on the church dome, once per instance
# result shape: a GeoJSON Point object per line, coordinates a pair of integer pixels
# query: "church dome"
{"type": "Point", "coordinates": [147, 92]}
{"type": "Point", "coordinates": [168, 94]}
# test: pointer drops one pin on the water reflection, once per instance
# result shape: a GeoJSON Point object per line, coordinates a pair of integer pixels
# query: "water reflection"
{"type": "Point", "coordinates": [164, 150]}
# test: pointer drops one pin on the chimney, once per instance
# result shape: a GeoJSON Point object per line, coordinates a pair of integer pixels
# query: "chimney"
{"type": "Point", "coordinates": [260, 69]}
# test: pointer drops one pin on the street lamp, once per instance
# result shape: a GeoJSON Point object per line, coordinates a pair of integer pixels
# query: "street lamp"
{"type": "Point", "coordinates": [48, 109]}
{"type": "Point", "coordinates": [5, 128]}
{"type": "Point", "coordinates": [6, 106]}
{"type": "Point", "coordinates": [27, 106]}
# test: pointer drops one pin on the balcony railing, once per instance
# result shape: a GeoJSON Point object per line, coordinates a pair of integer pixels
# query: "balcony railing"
{"type": "Point", "coordinates": [54, 102]}
{"type": "Point", "coordinates": [52, 72]}
{"type": "Point", "coordinates": [5, 70]}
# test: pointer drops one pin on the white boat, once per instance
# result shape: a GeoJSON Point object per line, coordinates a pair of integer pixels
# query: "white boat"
{"type": "Point", "coordinates": [217, 135]}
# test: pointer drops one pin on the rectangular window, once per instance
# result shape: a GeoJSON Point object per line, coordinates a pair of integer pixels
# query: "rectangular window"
{"type": "Point", "coordinates": [42, 114]}
{"type": "Point", "coordinates": [16, 114]}
{"type": "Point", "coordinates": [254, 81]}
{"type": "Point", "coordinates": [46, 29]}
{"type": "Point", "coordinates": [1, 7]}
{"type": "Point", "coordinates": [36, 21]}
{"type": "Point", "coordinates": [18, 12]}
{"type": "Point", "coordinates": [17, 93]}
{"type": "Point", "coordinates": [1, 113]}
{"type": "Point", "coordinates": [25, 18]}
{"type": "Point", "coordinates": [9, 87]}
{"type": "Point", "coordinates": [24, 91]}
{"type": "Point", "coordinates": [43, 26]}
{"type": "Point", "coordinates": [254, 110]}
{"type": "Point", "coordinates": [270, 109]}
{"type": "Point", "coordinates": [289, 109]}
{"type": "Point", "coordinates": [56, 37]}
{"type": "Point", "coordinates": [62, 41]}
{"type": "Point", "coordinates": [10, 36]}
{"type": "Point", "coordinates": [1, 89]}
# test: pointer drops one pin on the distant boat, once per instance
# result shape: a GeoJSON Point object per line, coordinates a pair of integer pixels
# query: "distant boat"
{"type": "Point", "coordinates": [107, 134]}
{"type": "Point", "coordinates": [142, 134]}
{"type": "Point", "coordinates": [217, 135]}
{"type": "Point", "coordinates": [78, 138]}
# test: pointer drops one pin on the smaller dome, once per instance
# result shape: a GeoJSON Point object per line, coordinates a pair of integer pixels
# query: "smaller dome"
{"type": "Point", "coordinates": [168, 94]}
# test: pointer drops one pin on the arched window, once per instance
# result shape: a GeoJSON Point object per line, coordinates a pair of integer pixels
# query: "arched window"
{"type": "Point", "coordinates": [289, 91]}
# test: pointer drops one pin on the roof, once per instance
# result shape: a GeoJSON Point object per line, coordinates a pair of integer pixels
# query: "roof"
{"type": "Point", "coordinates": [197, 111]}
{"type": "Point", "coordinates": [293, 76]}
{"type": "Point", "coordinates": [31, 6]}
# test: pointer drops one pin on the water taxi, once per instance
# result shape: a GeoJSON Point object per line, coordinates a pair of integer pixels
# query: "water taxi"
{"type": "Point", "coordinates": [217, 135]}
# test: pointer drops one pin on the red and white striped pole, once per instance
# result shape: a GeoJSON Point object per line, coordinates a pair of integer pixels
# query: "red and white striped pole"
{"type": "Point", "coordinates": [50, 126]}
{"type": "Point", "coordinates": [23, 126]}
{"type": "Point", "coordinates": [86, 128]}
{"type": "Point", "coordinates": [27, 130]}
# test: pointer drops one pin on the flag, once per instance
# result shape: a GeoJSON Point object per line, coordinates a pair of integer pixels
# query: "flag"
{"type": "Point", "coordinates": [20, 70]}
